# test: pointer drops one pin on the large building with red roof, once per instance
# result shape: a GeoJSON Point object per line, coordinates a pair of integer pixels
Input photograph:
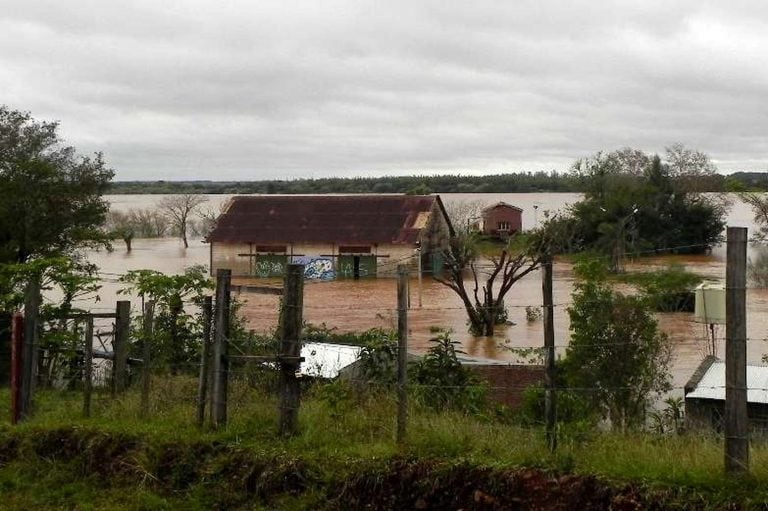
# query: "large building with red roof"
{"type": "Point", "coordinates": [334, 236]}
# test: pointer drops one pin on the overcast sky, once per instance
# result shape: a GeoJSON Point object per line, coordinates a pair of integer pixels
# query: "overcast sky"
{"type": "Point", "coordinates": [256, 89]}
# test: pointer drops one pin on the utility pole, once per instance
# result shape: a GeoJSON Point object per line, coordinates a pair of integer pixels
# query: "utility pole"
{"type": "Point", "coordinates": [736, 418]}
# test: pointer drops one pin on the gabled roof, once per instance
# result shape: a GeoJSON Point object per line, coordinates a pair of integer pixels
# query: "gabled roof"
{"type": "Point", "coordinates": [501, 205]}
{"type": "Point", "coordinates": [709, 382]}
{"type": "Point", "coordinates": [341, 219]}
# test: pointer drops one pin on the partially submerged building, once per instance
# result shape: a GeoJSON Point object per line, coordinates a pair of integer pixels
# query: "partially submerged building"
{"type": "Point", "coordinates": [502, 220]}
{"type": "Point", "coordinates": [705, 397]}
{"type": "Point", "coordinates": [334, 236]}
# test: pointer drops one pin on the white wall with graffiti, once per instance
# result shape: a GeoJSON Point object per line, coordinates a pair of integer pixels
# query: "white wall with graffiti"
{"type": "Point", "coordinates": [316, 267]}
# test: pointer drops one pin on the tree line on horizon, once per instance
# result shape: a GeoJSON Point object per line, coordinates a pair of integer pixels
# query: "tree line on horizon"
{"type": "Point", "coordinates": [521, 182]}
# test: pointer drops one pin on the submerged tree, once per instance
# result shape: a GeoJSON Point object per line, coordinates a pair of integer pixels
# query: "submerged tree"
{"type": "Point", "coordinates": [493, 269]}
{"type": "Point", "coordinates": [179, 208]}
{"type": "Point", "coordinates": [634, 202]}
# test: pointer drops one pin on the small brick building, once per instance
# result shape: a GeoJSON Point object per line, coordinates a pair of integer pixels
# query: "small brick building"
{"type": "Point", "coordinates": [502, 220]}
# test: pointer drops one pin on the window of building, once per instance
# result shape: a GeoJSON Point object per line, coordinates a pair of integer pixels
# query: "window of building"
{"type": "Point", "coordinates": [503, 226]}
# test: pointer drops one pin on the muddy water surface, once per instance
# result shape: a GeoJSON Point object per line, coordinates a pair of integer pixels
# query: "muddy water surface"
{"type": "Point", "coordinates": [350, 305]}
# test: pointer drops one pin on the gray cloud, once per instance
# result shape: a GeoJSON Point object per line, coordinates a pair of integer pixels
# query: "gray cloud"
{"type": "Point", "coordinates": [249, 90]}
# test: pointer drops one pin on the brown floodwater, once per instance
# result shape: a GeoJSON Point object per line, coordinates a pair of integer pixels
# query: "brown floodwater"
{"type": "Point", "coordinates": [364, 304]}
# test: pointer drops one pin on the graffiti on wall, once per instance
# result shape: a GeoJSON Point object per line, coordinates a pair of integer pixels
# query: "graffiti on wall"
{"type": "Point", "coordinates": [268, 268]}
{"type": "Point", "coordinates": [348, 270]}
{"type": "Point", "coordinates": [316, 267]}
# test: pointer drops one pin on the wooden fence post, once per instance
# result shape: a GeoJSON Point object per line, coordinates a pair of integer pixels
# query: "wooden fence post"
{"type": "Point", "coordinates": [88, 367]}
{"type": "Point", "coordinates": [17, 366]}
{"type": "Point", "coordinates": [736, 417]}
{"type": "Point", "coordinates": [146, 373]}
{"type": "Point", "coordinates": [120, 347]}
{"type": "Point", "coordinates": [32, 301]}
{"type": "Point", "coordinates": [550, 398]}
{"type": "Point", "coordinates": [290, 347]}
{"type": "Point", "coordinates": [402, 352]}
{"type": "Point", "coordinates": [202, 382]}
{"type": "Point", "coordinates": [220, 348]}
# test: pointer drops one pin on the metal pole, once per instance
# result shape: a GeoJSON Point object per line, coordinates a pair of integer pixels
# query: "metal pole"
{"type": "Point", "coordinates": [402, 352]}
{"type": "Point", "coordinates": [736, 418]}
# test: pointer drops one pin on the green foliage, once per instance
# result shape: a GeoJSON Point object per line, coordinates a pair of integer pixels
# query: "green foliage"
{"type": "Point", "coordinates": [634, 202]}
{"type": "Point", "coordinates": [377, 364]}
{"type": "Point", "coordinates": [442, 383]}
{"type": "Point", "coordinates": [533, 313]}
{"type": "Point", "coordinates": [499, 183]}
{"type": "Point", "coordinates": [176, 334]}
{"type": "Point", "coordinates": [667, 290]}
{"type": "Point", "coordinates": [616, 353]}
{"type": "Point", "coordinates": [50, 197]}
{"type": "Point", "coordinates": [669, 419]}
{"type": "Point", "coordinates": [68, 279]}
{"type": "Point", "coordinates": [575, 413]}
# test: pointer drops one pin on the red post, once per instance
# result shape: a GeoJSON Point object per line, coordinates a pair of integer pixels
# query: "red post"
{"type": "Point", "coordinates": [17, 349]}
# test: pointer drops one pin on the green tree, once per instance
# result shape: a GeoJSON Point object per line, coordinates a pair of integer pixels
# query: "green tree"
{"type": "Point", "coordinates": [616, 354]}
{"type": "Point", "coordinates": [50, 197]}
{"type": "Point", "coordinates": [176, 333]}
{"type": "Point", "coordinates": [634, 202]}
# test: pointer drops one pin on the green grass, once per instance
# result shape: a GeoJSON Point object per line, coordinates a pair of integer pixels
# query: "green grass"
{"type": "Point", "coordinates": [337, 437]}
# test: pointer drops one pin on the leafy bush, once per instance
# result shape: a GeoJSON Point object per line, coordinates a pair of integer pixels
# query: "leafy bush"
{"type": "Point", "coordinates": [443, 383]}
{"type": "Point", "coordinates": [616, 352]}
{"type": "Point", "coordinates": [667, 290]}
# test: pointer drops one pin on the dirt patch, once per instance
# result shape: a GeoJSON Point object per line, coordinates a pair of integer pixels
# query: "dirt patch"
{"type": "Point", "coordinates": [434, 485]}
{"type": "Point", "coordinates": [221, 476]}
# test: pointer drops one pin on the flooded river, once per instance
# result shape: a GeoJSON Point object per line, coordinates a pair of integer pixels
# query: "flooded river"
{"type": "Point", "coordinates": [359, 305]}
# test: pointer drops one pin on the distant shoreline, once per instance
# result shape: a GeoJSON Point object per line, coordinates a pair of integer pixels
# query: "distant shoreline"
{"type": "Point", "coordinates": [525, 182]}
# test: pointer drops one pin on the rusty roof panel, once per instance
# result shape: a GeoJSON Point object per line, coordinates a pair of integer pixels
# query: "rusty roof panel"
{"type": "Point", "coordinates": [347, 219]}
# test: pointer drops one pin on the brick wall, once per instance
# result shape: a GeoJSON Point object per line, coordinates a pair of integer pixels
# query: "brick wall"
{"type": "Point", "coordinates": [508, 382]}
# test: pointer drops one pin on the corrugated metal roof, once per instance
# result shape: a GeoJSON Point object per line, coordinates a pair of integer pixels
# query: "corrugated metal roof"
{"type": "Point", "coordinates": [325, 360]}
{"type": "Point", "coordinates": [341, 219]}
{"type": "Point", "coordinates": [712, 384]}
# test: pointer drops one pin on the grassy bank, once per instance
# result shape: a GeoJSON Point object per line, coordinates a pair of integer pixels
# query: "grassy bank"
{"type": "Point", "coordinates": [115, 460]}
